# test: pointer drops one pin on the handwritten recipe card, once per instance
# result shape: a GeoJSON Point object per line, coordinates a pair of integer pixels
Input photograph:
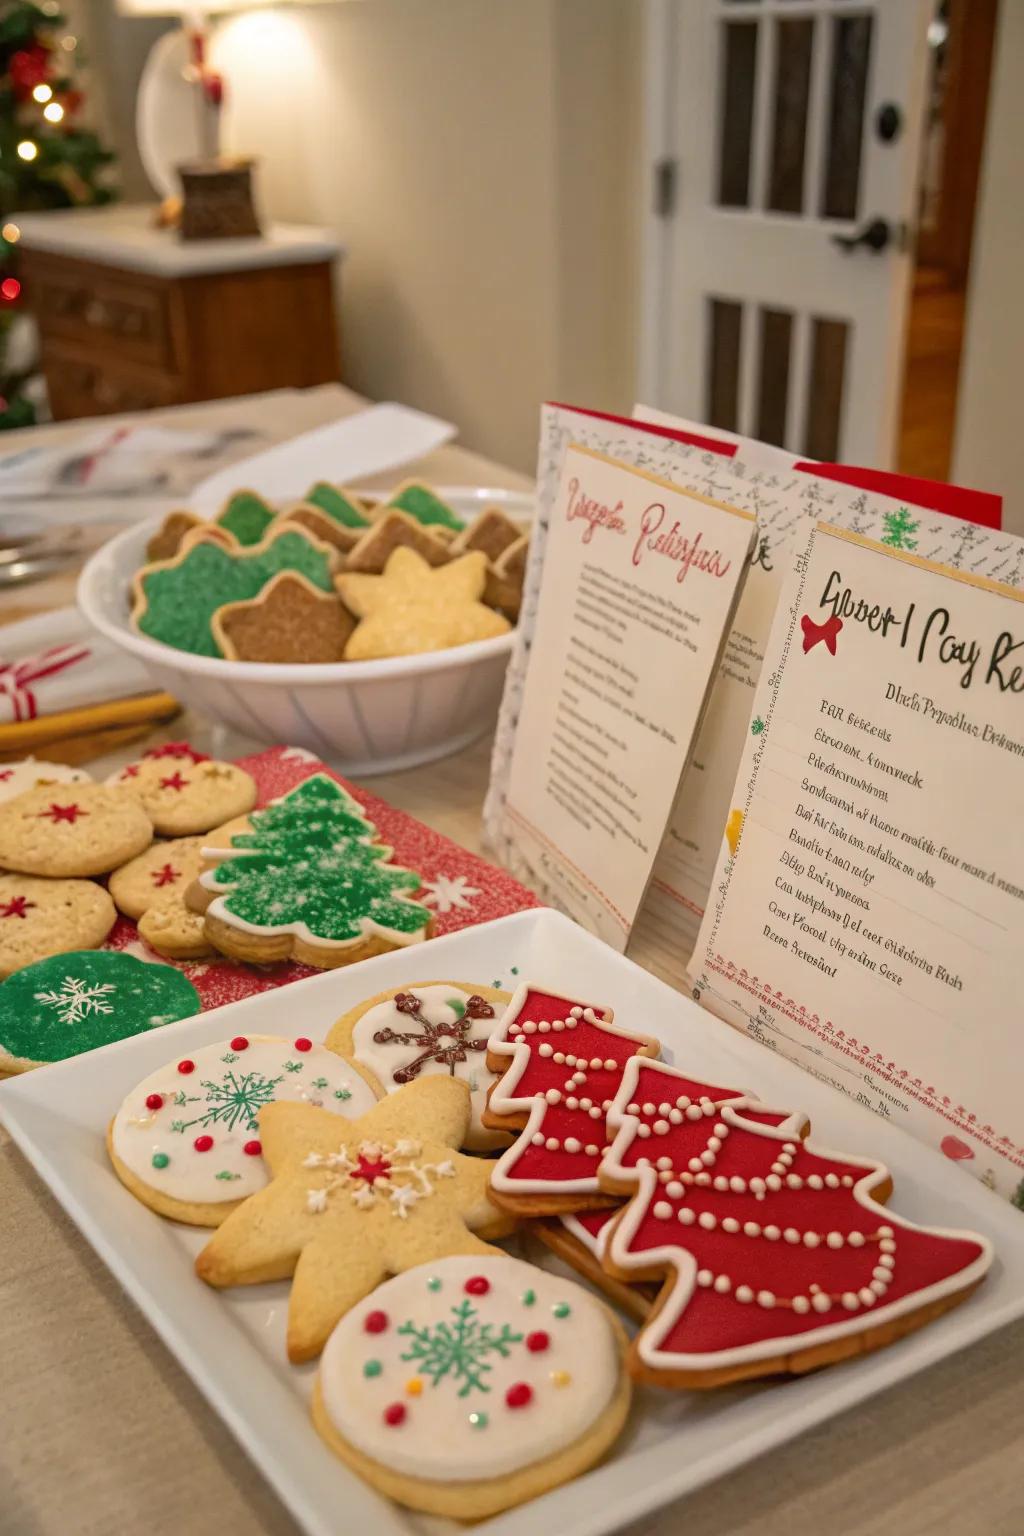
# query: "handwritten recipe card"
{"type": "Point", "coordinates": [640, 583]}
{"type": "Point", "coordinates": [868, 923]}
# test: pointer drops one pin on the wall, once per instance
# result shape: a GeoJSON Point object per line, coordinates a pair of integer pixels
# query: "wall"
{"type": "Point", "coordinates": [989, 446]}
{"type": "Point", "coordinates": [478, 161]}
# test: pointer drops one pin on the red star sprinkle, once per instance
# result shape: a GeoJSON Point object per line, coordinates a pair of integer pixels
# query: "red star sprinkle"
{"type": "Point", "coordinates": [177, 749]}
{"type": "Point", "coordinates": [57, 813]}
{"type": "Point", "coordinates": [165, 876]}
{"type": "Point", "coordinates": [175, 781]}
{"type": "Point", "coordinates": [5, 774]}
{"type": "Point", "coordinates": [131, 772]}
{"type": "Point", "coordinates": [17, 907]}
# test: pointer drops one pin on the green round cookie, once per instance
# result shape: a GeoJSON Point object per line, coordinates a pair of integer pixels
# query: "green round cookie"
{"type": "Point", "coordinates": [71, 1003]}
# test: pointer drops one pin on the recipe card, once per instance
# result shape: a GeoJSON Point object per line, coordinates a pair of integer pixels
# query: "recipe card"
{"type": "Point", "coordinates": [640, 582]}
{"type": "Point", "coordinates": [867, 911]}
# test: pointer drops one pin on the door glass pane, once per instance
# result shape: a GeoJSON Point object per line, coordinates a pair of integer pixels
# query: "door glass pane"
{"type": "Point", "coordinates": [851, 55]}
{"type": "Point", "coordinates": [736, 97]}
{"type": "Point", "coordinates": [793, 49]}
{"type": "Point", "coordinates": [725, 325]}
{"type": "Point", "coordinates": [773, 381]}
{"type": "Point", "coordinates": [825, 388]}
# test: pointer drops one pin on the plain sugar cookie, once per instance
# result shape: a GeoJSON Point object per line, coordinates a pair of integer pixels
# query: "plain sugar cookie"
{"type": "Point", "coordinates": [183, 798]}
{"type": "Point", "coordinates": [72, 829]}
{"type": "Point", "coordinates": [47, 917]}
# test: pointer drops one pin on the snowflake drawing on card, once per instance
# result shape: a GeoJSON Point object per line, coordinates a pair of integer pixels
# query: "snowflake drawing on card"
{"type": "Point", "coordinates": [76, 999]}
{"type": "Point", "coordinates": [445, 893]}
{"type": "Point", "coordinates": [458, 1349]}
{"type": "Point", "coordinates": [900, 528]}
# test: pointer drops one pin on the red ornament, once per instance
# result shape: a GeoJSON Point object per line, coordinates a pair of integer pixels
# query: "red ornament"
{"type": "Point", "coordinates": [174, 781]}
{"type": "Point", "coordinates": [154, 1101]}
{"type": "Point", "coordinates": [519, 1395]}
{"type": "Point", "coordinates": [57, 813]}
{"type": "Point", "coordinates": [477, 1285]}
{"type": "Point", "coordinates": [537, 1342]}
{"type": "Point", "coordinates": [186, 1066]}
{"type": "Point", "coordinates": [177, 749]}
{"type": "Point", "coordinates": [394, 1414]}
{"type": "Point", "coordinates": [17, 907]}
{"type": "Point", "coordinates": [375, 1322]}
{"type": "Point", "coordinates": [239, 1043]}
{"type": "Point", "coordinates": [165, 876]}
{"type": "Point", "coordinates": [10, 288]}
{"type": "Point", "coordinates": [203, 1143]}
{"type": "Point", "coordinates": [253, 1148]}
{"type": "Point", "coordinates": [302, 1044]}
{"type": "Point", "coordinates": [28, 68]}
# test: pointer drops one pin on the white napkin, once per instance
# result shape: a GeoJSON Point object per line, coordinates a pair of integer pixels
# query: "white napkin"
{"type": "Point", "coordinates": [57, 662]}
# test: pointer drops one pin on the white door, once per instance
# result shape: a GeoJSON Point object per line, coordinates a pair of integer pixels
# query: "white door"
{"type": "Point", "coordinates": [782, 261]}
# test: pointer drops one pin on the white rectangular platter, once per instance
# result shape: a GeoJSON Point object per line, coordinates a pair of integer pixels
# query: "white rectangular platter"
{"type": "Point", "coordinates": [232, 1342]}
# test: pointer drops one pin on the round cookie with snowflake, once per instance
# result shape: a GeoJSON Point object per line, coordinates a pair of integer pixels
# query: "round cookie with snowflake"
{"type": "Point", "coordinates": [424, 1028]}
{"type": "Point", "coordinates": [182, 798]}
{"type": "Point", "coordinates": [186, 1139]}
{"type": "Point", "coordinates": [72, 1003]}
{"type": "Point", "coordinates": [469, 1385]}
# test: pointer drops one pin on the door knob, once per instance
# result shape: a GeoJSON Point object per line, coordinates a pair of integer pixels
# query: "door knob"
{"type": "Point", "coordinates": [876, 235]}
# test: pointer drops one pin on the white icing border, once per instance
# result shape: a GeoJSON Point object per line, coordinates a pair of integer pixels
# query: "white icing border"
{"type": "Point", "coordinates": [594, 1245]}
{"type": "Point", "coordinates": [676, 1258]}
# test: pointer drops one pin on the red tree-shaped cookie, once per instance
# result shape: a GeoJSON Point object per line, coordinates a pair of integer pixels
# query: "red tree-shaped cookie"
{"type": "Point", "coordinates": [563, 1062]}
{"type": "Point", "coordinates": [775, 1255]}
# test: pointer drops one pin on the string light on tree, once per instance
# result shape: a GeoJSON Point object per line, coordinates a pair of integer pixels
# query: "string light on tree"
{"type": "Point", "coordinates": [11, 232]}
{"type": "Point", "coordinates": [42, 93]}
{"type": "Point", "coordinates": [27, 149]}
{"type": "Point", "coordinates": [54, 112]}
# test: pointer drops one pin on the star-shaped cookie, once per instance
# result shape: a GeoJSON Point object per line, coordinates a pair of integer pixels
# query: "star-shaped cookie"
{"type": "Point", "coordinates": [413, 608]}
{"type": "Point", "coordinates": [353, 1202]}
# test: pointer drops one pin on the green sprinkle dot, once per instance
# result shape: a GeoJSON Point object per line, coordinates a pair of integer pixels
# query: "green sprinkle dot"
{"type": "Point", "coordinates": [515, 970]}
{"type": "Point", "coordinates": [372, 1368]}
{"type": "Point", "coordinates": [529, 1297]}
{"type": "Point", "coordinates": [496, 985]}
{"type": "Point", "coordinates": [561, 1309]}
{"type": "Point", "coordinates": [478, 1420]}
{"type": "Point", "coordinates": [160, 1159]}
{"type": "Point", "coordinates": [434, 1283]}
{"type": "Point", "coordinates": [342, 1093]}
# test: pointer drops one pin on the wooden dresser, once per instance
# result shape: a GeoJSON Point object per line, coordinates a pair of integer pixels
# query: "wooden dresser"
{"type": "Point", "coordinates": [130, 317]}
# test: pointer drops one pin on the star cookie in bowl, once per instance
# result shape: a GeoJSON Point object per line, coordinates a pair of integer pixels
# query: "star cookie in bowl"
{"type": "Point", "coordinates": [352, 1202]}
{"type": "Point", "coordinates": [414, 608]}
{"type": "Point", "coordinates": [471, 1384]}
{"type": "Point", "coordinates": [182, 798]}
{"type": "Point", "coordinates": [424, 1029]}
{"type": "Point", "coordinates": [186, 1139]}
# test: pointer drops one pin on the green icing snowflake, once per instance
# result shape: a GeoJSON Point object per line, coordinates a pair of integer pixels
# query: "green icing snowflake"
{"type": "Point", "coordinates": [239, 1096]}
{"type": "Point", "coordinates": [319, 1082]}
{"type": "Point", "coordinates": [899, 528]}
{"type": "Point", "coordinates": [458, 1349]}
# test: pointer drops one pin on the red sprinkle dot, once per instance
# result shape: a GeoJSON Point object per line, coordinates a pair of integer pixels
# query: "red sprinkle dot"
{"type": "Point", "coordinates": [154, 1101]}
{"type": "Point", "coordinates": [477, 1285]}
{"type": "Point", "coordinates": [203, 1143]}
{"type": "Point", "coordinates": [239, 1043]}
{"type": "Point", "coordinates": [394, 1414]}
{"type": "Point", "coordinates": [537, 1342]}
{"type": "Point", "coordinates": [254, 1148]}
{"type": "Point", "coordinates": [302, 1044]}
{"type": "Point", "coordinates": [186, 1066]}
{"type": "Point", "coordinates": [375, 1322]}
{"type": "Point", "coordinates": [519, 1395]}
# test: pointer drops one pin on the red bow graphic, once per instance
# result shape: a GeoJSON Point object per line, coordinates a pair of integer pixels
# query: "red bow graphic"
{"type": "Point", "coordinates": [15, 676]}
{"type": "Point", "coordinates": [815, 632]}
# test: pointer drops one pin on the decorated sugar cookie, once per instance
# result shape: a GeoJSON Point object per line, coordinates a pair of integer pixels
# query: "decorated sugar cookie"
{"type": "Point", "coordinates": [308, 882]}
{"type": "Point", "coordinates": [470, 1384]}
{"type": "Point", "coordinates": [173, 930]}
{"type": "Point", "coordinates": [75, 1002]}
{"type": "Point", "coordinates": [182, 798]}
{"type": "Point", "coordinates": [71, 829]}
{"type": "Point", "coordinates": [48, 917]}
{"type": "Point", "coordinates": [186, 1139]}
{"type": "Point", "coordinates": [561, 1062]}
{"type": "Point", "coordinates": [413, 608]}
{"type": "Point", "coordinates": [774, 1255]}
{"type": "Point", "coordinates": [165, 869]}
{"type": "Point", "coordinates": [245, 516]}
{"type": "Point", "coordinates": [425, 1028]}
{"type": "Point", "coordinates": [337, 504]}
{"type": "Point", "coordinates": [15, 778]}
{"type": "Point", "coordinates": [351, 1202]}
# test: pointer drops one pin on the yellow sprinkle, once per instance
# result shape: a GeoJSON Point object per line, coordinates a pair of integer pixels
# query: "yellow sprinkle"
{"type": "Point", "coordinates": [414, 1386]}
{"type": "Point", "coordinates": [560, 1378]}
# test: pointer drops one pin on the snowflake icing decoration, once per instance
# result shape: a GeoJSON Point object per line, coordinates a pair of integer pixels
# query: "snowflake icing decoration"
{"type": "Point", "coordinates": [446, 893]}
{"type": "Point", "coordinates": [458, 1349]}
{"type": "Point", "coordinates": [76, 999]}
{"type": "Point", "coordinates": [369, 1176]}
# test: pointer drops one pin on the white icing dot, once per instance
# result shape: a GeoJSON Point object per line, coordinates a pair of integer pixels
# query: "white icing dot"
{"type": "Point", "coordinates": [544, 1027]}
{"type": "Point", "coordinates": [723, 1285]}
{"type": "Point", "coordinates": [537, 1138]}
{"type": "Point", "coordinates": [579, 1077]}
{"type": "Point", "coordinates": [661, 1127]}
{"type": "Point", "coordinates": [553, 1096]}
{"type": "Point", "coordinates": [789, 1146]}
{"type": "Point", "coordinates": [707, 1220]}
{"type": "Point", "coordinates": [720, 1128]}
{"type": "Point", "coordinates": [801, 1305]}
{"type": "Point", "coordinates": [572, 1145]}
{"type": "Point", "coordinates": [766, 1299]}
{"type": "Point", "coordinates": [772, 1233]}
{"type": "Point", "coordinates": [721, 1182]}
{"type": "Point", "coordinates": [758, 1186]}
{"type": "Point", "coordinates": [883, 1275]}
{"type": "Point", "coordinates": [606, 1105]}
{"type": "Point", "coordinates": [714, 1143]}
{"type": "Point", "coordinates": [552, 1143]}
{"type": "Point", "coordinates": [704, 1277]}
{"type": "Point", "coordinates": [779, 1167]}
{"type": "Point", "coordinates": [610, 1064]}
{"type": "Point", "coordinates": [811, 1239]}
{"type": "Point", "coordinates": [743, 1293]}
{"type": "Point", "coordinates": [675, 1189]}
{"type": "Point", "coordinates": [867, 1296]}
{"type": "Point", "coordinates": [586, 1103]}
{"type": "Point", "coordinates": [558, 1024]}
{"type": "Point", "coordinates": [794, 1181]}
{"type": "Point", "coordinates": [596, 1063]}
{"type": "Point", "coordinates": [737, 1185]}
{"type": "Point", "coordinates": [675, 1116]}
{"type": "Point", "coordinates": [664, 1107]}
{"type": "Point", "coordinates": [662, 1210]}
{"type": "Point", "coordinates": [751, 1229]}
{"type": "Point", "coordinates": [695, 1165]}
{"type": "Point", "coordinates": [663, 1162]}
{"type": "Point", "coordinates": [730, 1224]}
{"type": "Point", "coordinates": [831, 1181]}
{"type": "Point", "coordinates": [815, 1181]}
{"type": "Point", "coordinates": [702, 1178]}
{"type": "Point", "coordinates": [846, 1181]}
{"type": "Point", "coordinates": [572, 1102]}
{"type": "Point", "coordinates": [773, 1182]}
{"type": "Point", "coordinates": [570, 1059]}
{"type": "Point", "coordinates": [878, 1287]}
{"type": "Point", "coordinates": [576, 1013]}
{"type": "Point", "coordinates": [682, 1102]}
{"type": "Point", "coordinates": [791, 1235]}
{"type": "Point", "coordinates": [887, 1245]}
{"type": "Point", "coordinates": [708, 1159]}
{"type": "Point", "coordinates": [591, 1149]}
{"type": "Point", "coordinates": [820, 1302]}
{"type": "Point", "coordinates": [835, 1239]}
{"type": "Point", "coordinates": [850, 1301]}
{"type": "Point", "coordinates": [648, 1108]}
{"type": "Point", "coordinates": [529, 1027]}
{"type": "Point", "coordinates": [544, 1050]}
{"type": "Point", "coordinates": [664, 1175]}
{"type": "Point", "coordinates": [707, 1108]}
{"type": "Point", "coordinates": [558, 1058]}
{"type": "Point", "coordinates": [686, 1215]}
{"type": "Point", "coordinates": [885, 1232]}
{"type": "Point", "coordinates": [633, 1108]}
{"type": "Point", "coordinates": [596, 1112]}
{"type": "Point", "coordinates": [855, 1239]}
{"type": "Point", "coordinates": [886, 1261]}
{"type": "Point", "coordinates": [693, 1112]}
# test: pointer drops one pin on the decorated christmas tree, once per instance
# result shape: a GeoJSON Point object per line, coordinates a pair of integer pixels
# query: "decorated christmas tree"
{"type": "Point", "coordinates": [46, 161]}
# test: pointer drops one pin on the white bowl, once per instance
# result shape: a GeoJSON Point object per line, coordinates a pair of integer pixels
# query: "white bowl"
{"type": "Point", "coordinates": [362, 717]}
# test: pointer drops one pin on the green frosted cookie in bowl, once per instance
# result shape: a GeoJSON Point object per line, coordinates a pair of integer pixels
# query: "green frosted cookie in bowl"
{"type": "Point", "coordinates": [76, 1002]}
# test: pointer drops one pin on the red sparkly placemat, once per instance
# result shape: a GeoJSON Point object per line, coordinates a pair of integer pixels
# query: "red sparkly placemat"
{"type": "Point", "coordinates": [460, 888]}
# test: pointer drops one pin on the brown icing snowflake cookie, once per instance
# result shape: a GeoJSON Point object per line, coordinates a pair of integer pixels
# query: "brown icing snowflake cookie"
{"type": "Point", "coordinates": [39, 918]}
{"type": "Point", "coordinates": [185, 798]}
{"type": "Point", "coordinates": [423, 1029]}
{"type": "Point", "coordinates": [72, 829]}
{"type": "Point", "coordinates": [163, 871]}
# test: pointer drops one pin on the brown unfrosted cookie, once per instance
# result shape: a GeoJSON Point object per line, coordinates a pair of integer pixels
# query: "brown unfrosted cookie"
{"type": "Point", "coordinates": [492, 532]}
{"type": "Point", "coordinates": [412, 608]}
{"type": "Point", "coordinates": [49, 917]}
{"type": "Point", "coordinates": [184, 798]}
{"type": "Point", "coordinates": [290, 621]}
{"type": "Point", "coordinates": [317, 522]}
{"type": "Point", "coordinates": [72, 829]}
{"type": "Point", "coordinates": [175, 931]}
{"type": "Point", "coordinates": [166, 542]}
{"type": "Point", "coordinates": [395, 530]}
{"type": "Point", "coordinates": [505, 578]}
{"type": "Point", "coordinates": [163, 871]}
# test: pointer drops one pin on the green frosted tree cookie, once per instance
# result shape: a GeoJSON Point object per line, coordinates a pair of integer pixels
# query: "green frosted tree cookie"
{"type": "Point", "coordinates": [247, 516]}
{"type": "Point", "coordinates": [175, 600]}
{"type": "Point", "coordinates": [71, 1003]}
{"type": "Point", "coordinates": [337, 505]}
{"type": "Point", "coordinates": [421, 503]}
